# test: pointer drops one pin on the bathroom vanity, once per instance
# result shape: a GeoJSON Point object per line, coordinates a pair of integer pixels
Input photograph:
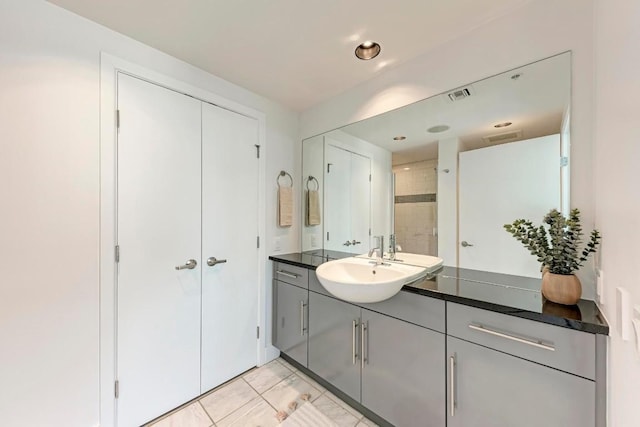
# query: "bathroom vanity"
{"type": "Point", "coordinates": [458, 348]}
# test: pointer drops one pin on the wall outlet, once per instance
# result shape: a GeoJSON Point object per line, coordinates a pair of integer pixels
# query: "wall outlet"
{"type": "Point", "coordinates": [314, 241]}
{"type": "Point", "coordinates": [277, 244]}
{"type": "Point", "coordinates": [624, 313]}
{"type": "Point", "coordinates": [636, 326]}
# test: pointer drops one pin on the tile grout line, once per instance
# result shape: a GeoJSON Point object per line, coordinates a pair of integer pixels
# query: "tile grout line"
{"type": "Point", "coordinates": [205, 411]}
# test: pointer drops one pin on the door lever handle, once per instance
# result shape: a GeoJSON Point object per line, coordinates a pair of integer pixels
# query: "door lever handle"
{"type": "Point", "coordinates": [213, 261]}
{"type": "Point", "coordinates": [189, 265]}
{"type": "Point", "coordinates": [464, 244]}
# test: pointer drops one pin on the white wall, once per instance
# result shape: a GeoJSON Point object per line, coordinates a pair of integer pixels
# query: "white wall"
{"type": "Point", "coordinates": [537, 30]}
{"type": "Point", "coordinates": [617, 179]}
{"type": "Point", "coordinates": [49, 221]}
{"type": "Point", "coordinates": [448, 200]}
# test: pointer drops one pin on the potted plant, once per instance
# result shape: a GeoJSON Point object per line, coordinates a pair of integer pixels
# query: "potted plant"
{"type": "Point", "coordinates": [557, 247]}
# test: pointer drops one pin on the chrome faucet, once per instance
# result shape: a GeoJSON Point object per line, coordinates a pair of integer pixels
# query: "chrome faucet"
{"type": "Point", "coordinates": [379, 249]}
{"type": "Point", "coordinates": [392, 247]}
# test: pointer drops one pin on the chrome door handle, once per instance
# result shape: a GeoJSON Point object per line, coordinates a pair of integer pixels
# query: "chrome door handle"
{"type": "Point", "coordinates": [189, 265]}
{"type": "Point", "coordinates": [452, 384]}
{"type": "Point", "coordinates": [287, 274]}
{"type": "Point", "coordinates": [302, 328]}
{"type": "Point", "coordinates": [347, 243]}
{"type": "Point", "coordinates": [464, 244]}
{"type": "Point", "coordinates": [363, 353]}
{"type": "Point", "coordinates": [354, 242]}
{"type": "Point", "coordinates": [213, 261]}
{"type": "Point", "coordinates": [534, 343]}
{"type": "Point", "coordinates": [354, 329]}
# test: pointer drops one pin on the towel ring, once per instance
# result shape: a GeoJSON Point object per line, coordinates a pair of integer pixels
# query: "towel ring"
{"type": "Point", "coordinates": [312, 178]}
{"type": "Point", "coordinates": [283, 173]}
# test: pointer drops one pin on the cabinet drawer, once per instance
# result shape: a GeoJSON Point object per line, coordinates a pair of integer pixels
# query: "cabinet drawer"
{"type": "Point", "coordinates": [421, 310]}
{"type": "Point", "coordinates": [561, 348]}
{"type": "Point", "coordinates": [291, 274]}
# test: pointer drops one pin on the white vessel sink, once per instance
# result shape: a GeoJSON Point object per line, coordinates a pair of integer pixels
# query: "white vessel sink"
{"type": "Point", "coordinates": [360, 280]}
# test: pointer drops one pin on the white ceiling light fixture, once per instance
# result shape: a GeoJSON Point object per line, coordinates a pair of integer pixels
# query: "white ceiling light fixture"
{"type": "Point", "coordinates": [438, 129]}
{"type": "Point", "coordinates": [367, 50]}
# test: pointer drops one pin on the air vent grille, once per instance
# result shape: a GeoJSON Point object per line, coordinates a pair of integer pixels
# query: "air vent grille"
{"type": "Point", "coordinates": [502, 138]}
{"type": "Point", "coordinates": [459, 94]}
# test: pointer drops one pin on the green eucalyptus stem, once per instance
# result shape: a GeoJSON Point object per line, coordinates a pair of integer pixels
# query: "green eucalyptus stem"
{"type": "Point", "coordinates": [557, 245]}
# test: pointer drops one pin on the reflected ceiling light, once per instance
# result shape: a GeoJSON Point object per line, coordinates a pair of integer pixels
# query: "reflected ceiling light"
{"type": "Point", "coordinates": [367, 50]}
{"type": "Point", "coordinates": [502, 125]}
{"type": "Point", "coordinates": [399, 138]}
{"type": "Point", "coordinates": [438, 129]}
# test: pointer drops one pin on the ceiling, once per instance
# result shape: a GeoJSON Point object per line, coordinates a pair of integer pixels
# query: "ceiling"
{"type": "Point", "coordinates": [534, 102]}
{"type": "Point", "coordinates": [296, 52]}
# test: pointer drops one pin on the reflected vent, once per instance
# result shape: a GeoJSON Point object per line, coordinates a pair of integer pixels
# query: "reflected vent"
{"type": "Point", "coordinates": [459, 94]}
{"type": "Point", "coordinates": [502, 138]}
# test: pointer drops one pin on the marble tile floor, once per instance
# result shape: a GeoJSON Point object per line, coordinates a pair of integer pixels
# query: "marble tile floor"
{"type": "Point", "coordinates": [262, 397]}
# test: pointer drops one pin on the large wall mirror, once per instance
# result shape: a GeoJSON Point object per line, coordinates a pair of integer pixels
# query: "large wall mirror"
{"type": "Point", "coordinates": [446, 173]}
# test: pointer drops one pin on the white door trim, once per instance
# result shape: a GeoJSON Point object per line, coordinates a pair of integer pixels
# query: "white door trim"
{"type": "Point", "coordinates": [109, 67]}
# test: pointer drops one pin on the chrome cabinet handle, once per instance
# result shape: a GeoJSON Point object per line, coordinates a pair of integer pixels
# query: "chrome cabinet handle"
{"type": "Point", "coordinates": [347, 243]}
{"type": "Point", "coordinates": [354, 328]}
{"type": "Point", "coordinates": [452, 384]}
{"type": "Point", "coordinates": [214, 261]}
{"type": "Point", "coordinates": [189, 265]}
{"type": "Point", "coordinates": [534, 343]}
{"type": "Point", "coordinates": [465, 244]}
{"type": "Point", "coordinates": [287, 274]}
{"type": "Point", "coordinates": [363, 332]}
{"type": "Point", "coordinates": [302, 328]}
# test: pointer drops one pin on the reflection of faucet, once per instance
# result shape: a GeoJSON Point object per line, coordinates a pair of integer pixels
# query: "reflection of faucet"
{"type": "Point", "coordinates": [379, 249]}
{"type": "Point", "coordinates": [392, 247]}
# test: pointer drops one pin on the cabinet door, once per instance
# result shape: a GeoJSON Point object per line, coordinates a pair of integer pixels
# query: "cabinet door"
{"type": "Point", "coordinates": [291, 321]}
{"type": "Point", "coordinates": [491, 388]}
{"type": "Point", "coordinates": [333, 342]}
{"type": "Point", "coordinates": [404, 371]}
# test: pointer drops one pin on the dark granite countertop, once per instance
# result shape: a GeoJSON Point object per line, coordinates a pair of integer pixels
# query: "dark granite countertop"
{"type": "Point", "coordinates": [502, 293]}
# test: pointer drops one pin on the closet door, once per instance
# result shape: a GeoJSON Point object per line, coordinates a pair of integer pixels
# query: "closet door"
{"type": "Point", "coordinates": [158, 229]}
{"type": "Point", "coordinates": [337, 209]}
{"type": "Point", "coordinates": [360, 203]}
{"type": "Point", "coordinates": [229, 233]}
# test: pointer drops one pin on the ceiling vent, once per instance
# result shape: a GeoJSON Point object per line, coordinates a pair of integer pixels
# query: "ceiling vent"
{"type": "Point", "coordinates": [502, 138]}
{"type": "Point", "coordinates": [459, 94]}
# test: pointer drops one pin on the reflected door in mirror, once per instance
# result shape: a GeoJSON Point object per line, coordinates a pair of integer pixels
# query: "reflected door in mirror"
{"type": "Point", "coordinates": [347, 200]}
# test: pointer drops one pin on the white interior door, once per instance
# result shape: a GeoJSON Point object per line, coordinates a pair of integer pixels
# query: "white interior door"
{"type": "Point", "coordinates": [158, 228]}
{"type": "Point", "coordinates": [337, 193]}
{"type": "Point", "coordinates": [229, 232]}
{"type": "Point", "coordinates": [360, 203]}
{"type": "Point", "coordinates": [498, 185]}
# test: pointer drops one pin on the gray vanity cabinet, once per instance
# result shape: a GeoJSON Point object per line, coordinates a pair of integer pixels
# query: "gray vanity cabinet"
{"type": "Point", "coordinates": [291, 321]}
{"type": "Point", "coordinates": [333, 342]}
{"type": "Point", "coordinates": [403, 371]}
{"type": "Point", "coordinates": [486, 387]}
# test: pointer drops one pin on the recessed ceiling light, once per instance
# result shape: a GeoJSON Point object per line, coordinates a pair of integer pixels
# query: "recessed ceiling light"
{"type": "Point", "coordinates": [399, 138]}
{"type": "Point", "coordinates": [438, 129]}
{"type": "Point", "coordinates": [367, 50]}
{"type": "Point", "coordinates": [502, 125]}
{"type": "Point", "coordinates": [406, 169]}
